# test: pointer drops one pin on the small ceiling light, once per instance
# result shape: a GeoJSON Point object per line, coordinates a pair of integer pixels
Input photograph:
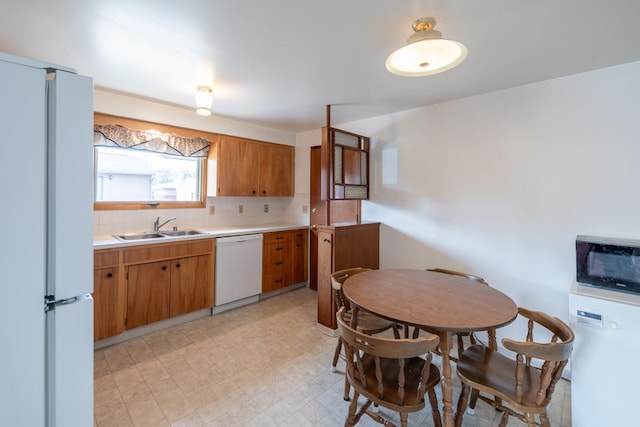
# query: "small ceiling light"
{"type": "Point", "coordinates": [204, 99]}
{"type": "Point", "coordinates": [426, 52]}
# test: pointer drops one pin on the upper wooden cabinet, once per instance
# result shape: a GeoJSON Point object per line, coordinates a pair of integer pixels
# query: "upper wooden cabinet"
{"type": "Point", "coordinates": [245, 167]}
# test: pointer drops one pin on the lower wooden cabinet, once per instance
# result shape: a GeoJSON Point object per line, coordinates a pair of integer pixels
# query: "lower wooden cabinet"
{"type": "Point", "coordinates": [148, 287]}
{"type": "Point", "coordinates": [109, 295]}
{"type": "Point", "coordinates": [190, 285]}
{"type": "Point", "coordinates": [284, 259]}
{"type": "Point", "coordinates": [138, 285]}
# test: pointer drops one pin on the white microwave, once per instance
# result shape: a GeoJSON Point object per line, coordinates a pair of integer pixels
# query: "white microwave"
{"type": "Point", "coordinates": [608, 263]}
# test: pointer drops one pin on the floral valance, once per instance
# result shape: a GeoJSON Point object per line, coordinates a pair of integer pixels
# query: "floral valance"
{"type": "Point", "coordinates": [168, 143]}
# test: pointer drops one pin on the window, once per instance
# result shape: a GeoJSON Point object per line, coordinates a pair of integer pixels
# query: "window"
{"type": "Point", "coordinates": [141, 165]}
{"type": "Point", "coordinates": [126, 175]}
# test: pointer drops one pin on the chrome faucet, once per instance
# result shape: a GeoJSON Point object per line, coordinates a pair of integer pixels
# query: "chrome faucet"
{"type": "Point", "coordinates": [157, 225]}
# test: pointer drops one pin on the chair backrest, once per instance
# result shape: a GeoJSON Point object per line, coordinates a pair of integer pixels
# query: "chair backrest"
{"type": "Point", "coordinates": [459, 273]}
{"type": "Point", "coordinates": [360, 347]}
{"type": "Point", "coordinates": [337, 279]}
{"type": "Point", "coordinates": [554, 354]}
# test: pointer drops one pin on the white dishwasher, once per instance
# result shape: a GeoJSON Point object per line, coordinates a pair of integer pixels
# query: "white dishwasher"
{"type": "Point", "coordinates": [238, 268]}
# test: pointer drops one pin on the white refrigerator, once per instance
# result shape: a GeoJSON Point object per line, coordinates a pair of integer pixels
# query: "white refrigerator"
{"type": "Point", "coordinates": [46, 229]}
{"type": "Point", "coordinates": [603, 370]}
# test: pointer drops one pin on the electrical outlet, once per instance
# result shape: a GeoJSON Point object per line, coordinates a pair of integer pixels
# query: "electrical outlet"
{"type": "Point", "coordinates": [305, 209]}
{"type": "Point", "coordinates": [266, 208]}
{"type": "Point", "coordinates": [240, 208]}
{"type": "Point", "coordinates": [212, 210]}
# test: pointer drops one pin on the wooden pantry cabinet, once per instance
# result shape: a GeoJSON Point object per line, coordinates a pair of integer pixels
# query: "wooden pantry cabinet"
{"type": "Point", "coordinates": [246, 167]}
{"type": "Point", "coordinates": [340, 247]}
{"type": "Point", "coordinates": [284, 259]}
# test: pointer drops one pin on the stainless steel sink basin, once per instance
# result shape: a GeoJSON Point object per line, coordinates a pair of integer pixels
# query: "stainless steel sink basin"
{"type": "Point", "coordinates": [139, 236]}
{"type": "Point", "coordinates": [177, 233]}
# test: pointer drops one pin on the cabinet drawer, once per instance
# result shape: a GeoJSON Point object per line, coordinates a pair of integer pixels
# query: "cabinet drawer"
{"type": "Point", "coordinates": [277, 237]}
{"type": "Point", "coordinates": [299, 234]}
{"type": "Point", "coordinates": [149, 253]}
{"type": "Point", "coordinates": [106, 258]}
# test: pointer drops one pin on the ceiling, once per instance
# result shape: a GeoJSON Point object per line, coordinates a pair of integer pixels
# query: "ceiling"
{"type": "Point", "coordinates": [278, 63]}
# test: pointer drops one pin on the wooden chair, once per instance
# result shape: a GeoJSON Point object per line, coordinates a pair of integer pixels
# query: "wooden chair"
{"type": "Point", "coordinates": [388, 372]}
{"type": "Point", "coordinates": [459, 335]}
{"type": "Point", "coordinates": [526, 389]}
{"type": "Point", "coordinates": [368, 323]}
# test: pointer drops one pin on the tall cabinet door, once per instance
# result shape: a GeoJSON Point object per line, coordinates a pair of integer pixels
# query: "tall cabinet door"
{"type": "Point", "coordinates": [148, 293]}
{"type": "Point", "coordinates": [326, 303]}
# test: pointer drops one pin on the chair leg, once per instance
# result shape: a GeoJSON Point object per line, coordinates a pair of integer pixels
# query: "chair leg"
{"type": "Point", "coordinates": [403, 419]}
{"type": "Point", "coordinates": [544, 420]}
{"type": "Point", "coordinates": [462, 404]}
{"type": "Point", "coordinates": [435, 412]}
{"type": "Point", "coordinates": [347, 388]}
{"type": "Point", "coordinates": [504, 419]}
{"type": "Point", "coordinates": [336, 354]}
{"type": "Point", "coordinates": [531, 421]}
{"type": "Point", "coordinates": [351, 416]}
{"type": "Point", "coordinates": [472, 402]}
{"type": "Point", "coordinates": [460, 345]}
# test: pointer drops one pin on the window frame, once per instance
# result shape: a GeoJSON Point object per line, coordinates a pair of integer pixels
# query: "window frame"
{"type": "Point", "coordinates": [103, 119]}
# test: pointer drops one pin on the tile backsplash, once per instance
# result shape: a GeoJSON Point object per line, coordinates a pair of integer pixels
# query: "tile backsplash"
{"type": "Point", "coordinates": [219, 212]}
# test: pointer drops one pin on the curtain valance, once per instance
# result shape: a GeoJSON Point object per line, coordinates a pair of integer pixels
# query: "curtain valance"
{"type": "Point", "coordinates": [168, 143]}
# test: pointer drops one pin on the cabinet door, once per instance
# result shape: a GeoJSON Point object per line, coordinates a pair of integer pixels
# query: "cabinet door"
{"type": "Point", "coordinates": [299, 256]}
{"type": "Point", "coordinates": [190, 285]}
{"type": "Point", "coordinates": [326, 308]}
{"type": "Point", "coordinates": [276, 170]}
{"type": "Point", "coordinates": [237, 167]}
{"type": "Point", "coordinates": [108, 299]}
{"type": "Point", "coordinates": [148, 293]}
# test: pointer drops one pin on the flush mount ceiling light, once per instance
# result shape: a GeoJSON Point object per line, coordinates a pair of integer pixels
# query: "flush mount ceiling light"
{"type": "Point", "coordinates": [426, 52]}
{"type": "Point", "coordinates": [204, 99]}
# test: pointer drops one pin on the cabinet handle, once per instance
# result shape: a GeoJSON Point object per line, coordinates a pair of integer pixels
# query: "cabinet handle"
{"type": "Point", "coordinates": [279, 238]}
{"type": "Point", "coordinates": [279, 263]}
{"type": "Point", "coordinates": [177, 265]}
{"type": "Point", "coordinates": [279, 249]}
{"type": "Point", "coordinates": [164, 267]}
{"type": "Point", "coordinates": [298, 245]}
{"type": "Point", "coordinates": [264, 192]}
{"type": "Point", "coordinates": [327, 240]}
{"type": "Point", "coordinates": [278, 281]}
{"type": "Point", "coordinates": [253, 192]}
{"type": "Point", "coordinates": [109, 275]}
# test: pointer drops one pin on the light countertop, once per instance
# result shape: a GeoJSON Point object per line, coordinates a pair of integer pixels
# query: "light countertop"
{"type": "Point", "coordinates": [109, 242]}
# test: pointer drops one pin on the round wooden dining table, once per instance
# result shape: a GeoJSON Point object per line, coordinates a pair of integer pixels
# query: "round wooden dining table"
{"type": "Point", "coordinates": [436, 301]}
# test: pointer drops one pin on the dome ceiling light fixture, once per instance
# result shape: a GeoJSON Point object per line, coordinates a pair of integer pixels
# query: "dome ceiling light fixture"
{"type": "Point", "coordinates": [426, 52]}
{"type": "Point", "coordinates": [204, 99]}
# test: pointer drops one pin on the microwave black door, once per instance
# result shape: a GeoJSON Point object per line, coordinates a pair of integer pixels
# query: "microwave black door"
{"type": "Point", "coordinates": [610, 266]}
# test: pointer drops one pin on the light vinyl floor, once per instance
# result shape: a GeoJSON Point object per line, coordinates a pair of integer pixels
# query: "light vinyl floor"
{"type": "Point", "coordinates": [264, 364]}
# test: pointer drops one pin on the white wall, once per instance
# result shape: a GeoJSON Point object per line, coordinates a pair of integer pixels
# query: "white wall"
{"type": "Point", "coordinates": [500, 184]}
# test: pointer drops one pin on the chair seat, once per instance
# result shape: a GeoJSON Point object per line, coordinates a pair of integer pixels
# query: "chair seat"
{"type": "Point", "coordinates": [390, 370]}
{"type": "Point", "coordinates": [369, 323]}
{"type": "Point", "coordinates": [484, 368]}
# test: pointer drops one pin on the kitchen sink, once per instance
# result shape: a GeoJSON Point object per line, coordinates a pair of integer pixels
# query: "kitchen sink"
{"type": "Point", "coordinates": [176, 233]}
{"type": "Point", "coordinates": [138, 236]}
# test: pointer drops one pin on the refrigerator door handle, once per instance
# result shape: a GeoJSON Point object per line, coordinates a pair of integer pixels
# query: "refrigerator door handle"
{"type": "Point", "coordinates": [50, 301]}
